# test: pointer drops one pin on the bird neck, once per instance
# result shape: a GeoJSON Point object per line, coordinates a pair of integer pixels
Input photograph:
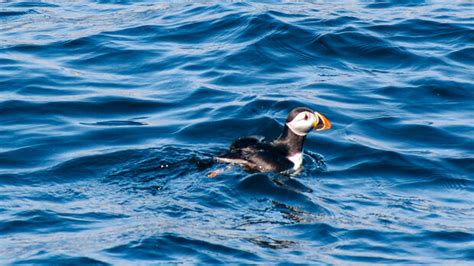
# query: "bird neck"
{"type": "Point", "coordinates": [292, 141]}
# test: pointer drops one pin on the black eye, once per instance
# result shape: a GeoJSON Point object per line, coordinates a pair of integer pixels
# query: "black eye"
{"type": "Point", "coordinates": [305, 116]}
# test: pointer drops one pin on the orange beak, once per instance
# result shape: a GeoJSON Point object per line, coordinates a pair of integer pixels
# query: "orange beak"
{"type": "Point", "coordinates": [322, 123]}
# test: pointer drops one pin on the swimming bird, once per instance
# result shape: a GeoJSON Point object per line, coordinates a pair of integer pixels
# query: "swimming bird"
{"type": "Point", "coordinates": [283, 154]}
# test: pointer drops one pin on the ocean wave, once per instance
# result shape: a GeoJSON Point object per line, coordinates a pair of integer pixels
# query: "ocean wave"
{"type": "Point", "coordinates": [111, 112]}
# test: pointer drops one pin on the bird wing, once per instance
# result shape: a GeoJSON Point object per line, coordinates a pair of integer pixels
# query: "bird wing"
{"type": "Point", "coordinates": [244, 142]}
{"type": "Point", "coordinates": [267, 160]}
{"type": "Point", "coordinates": [256, 155]}
{"type": "Point", "coordinates": [235, 154]}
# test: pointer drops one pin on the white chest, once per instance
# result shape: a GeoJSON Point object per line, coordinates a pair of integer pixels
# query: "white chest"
{"type": "Point", "coordinates": [297, 160]}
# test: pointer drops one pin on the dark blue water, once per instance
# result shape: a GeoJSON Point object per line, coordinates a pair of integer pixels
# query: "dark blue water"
{"type": "Point", "coordinates": [111, 111]}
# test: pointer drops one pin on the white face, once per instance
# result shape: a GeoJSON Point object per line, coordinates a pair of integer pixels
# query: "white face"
{"type": "Point", "coordinates": [303, 123]}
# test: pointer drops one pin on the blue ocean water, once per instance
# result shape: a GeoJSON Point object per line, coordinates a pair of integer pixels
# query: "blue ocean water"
{"type": "Point", "coordinates": [110, 113]}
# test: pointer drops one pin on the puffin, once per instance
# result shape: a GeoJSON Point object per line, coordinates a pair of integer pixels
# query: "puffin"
{"type": "Point", "coordinates": [285, 153]}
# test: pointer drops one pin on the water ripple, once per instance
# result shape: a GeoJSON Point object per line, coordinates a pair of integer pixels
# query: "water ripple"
{"type": "Point", "coordinates": [111, 111]}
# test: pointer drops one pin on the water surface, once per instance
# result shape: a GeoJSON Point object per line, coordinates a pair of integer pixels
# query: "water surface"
{"type": "Point", "coordinates": [110, 113]}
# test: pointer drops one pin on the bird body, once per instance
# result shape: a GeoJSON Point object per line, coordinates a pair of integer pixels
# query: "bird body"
{"type": "Point", "coordinates": [297, 160]}
{"type": "Point", "coordinates": [285, 153]}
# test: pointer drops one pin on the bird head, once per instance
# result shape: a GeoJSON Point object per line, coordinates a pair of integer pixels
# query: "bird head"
{"type": "Point", "coordinates": [302, 120]}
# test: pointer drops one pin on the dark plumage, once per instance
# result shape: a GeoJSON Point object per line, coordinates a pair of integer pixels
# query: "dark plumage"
{"type": "Point", "coordinates": [282, 154]}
